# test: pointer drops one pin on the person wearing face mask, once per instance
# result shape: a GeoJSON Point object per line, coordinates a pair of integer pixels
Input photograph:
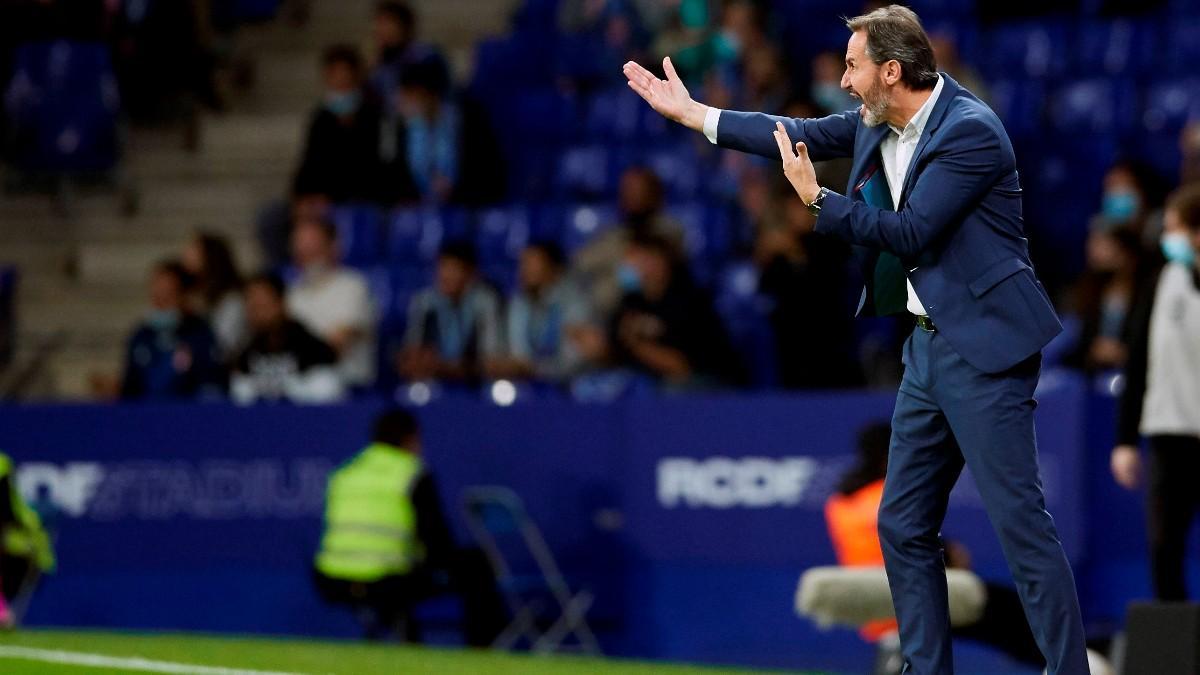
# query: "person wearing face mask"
{"type": "Point", "coordinates": [1102, 298]}
{"type": "Point", "coordinates": [171, 354]}
{"type": "Point", "coordinates": [827, 92]}
{"type": "Point", "coordinates": [341, 158]}
{"type": "Point", "coordinates": [640, 205]}
{"type": "Point", "coordinates": [665, 327]}
{"type": "Point", "coordinates": [1132, 199]}
{"type": "Point", "coordinates": [1161, 399]}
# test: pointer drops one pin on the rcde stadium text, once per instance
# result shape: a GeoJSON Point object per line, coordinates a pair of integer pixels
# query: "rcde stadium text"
{"type": "Point", "coordinates": [727, 482]}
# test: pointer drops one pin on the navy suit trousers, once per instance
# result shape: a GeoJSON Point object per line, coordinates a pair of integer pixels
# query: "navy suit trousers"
{"type": "Point", "coordinates": [948, 413]}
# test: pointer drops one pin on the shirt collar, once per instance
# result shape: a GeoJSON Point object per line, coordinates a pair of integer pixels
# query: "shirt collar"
{"type": "Point", "coordinates": [916, 125]}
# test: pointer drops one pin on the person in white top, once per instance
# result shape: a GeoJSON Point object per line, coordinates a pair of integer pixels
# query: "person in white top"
{"type": "Point", "coordinates": [333, 301]}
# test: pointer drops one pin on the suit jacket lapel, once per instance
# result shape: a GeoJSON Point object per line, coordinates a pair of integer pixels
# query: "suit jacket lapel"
{"type": "Point", "coordinates": [950, 89]}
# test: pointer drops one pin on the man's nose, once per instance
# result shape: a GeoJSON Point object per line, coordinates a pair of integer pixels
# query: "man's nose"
{"type": "Point", "coordinates": [845, 83]}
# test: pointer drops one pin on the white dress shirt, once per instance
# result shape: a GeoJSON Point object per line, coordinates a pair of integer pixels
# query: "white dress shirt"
{"type": "Point", "coordinates": [897, 151]}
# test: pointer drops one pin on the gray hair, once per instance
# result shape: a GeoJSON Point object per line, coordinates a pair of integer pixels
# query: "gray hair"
{"type": "Point", "coordinates": [894, 33]}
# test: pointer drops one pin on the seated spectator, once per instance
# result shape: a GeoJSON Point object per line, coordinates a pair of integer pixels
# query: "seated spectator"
{"type": "Point", "coordinates": [282, 360]}
{"type": "Point", "coordinates": [1103, 297]}
{"type": "Point", "coordinates": [544, 315]}
{"type": "Point", "coordinates": [217, 290]}
{"type": "Point", "coordinates": [664, 326]}
{"type": "Point", "coordinates": [341, 154]}
{"type": "Point", "coordinates": [454, 332]}
{"type": "Point", "coordinates": [396, 47]}
{"type": "Point", "coordinates": [172, 354]}
{"type": "Point", "coordinates": [807, 275]}
{"type": "Point", "coordinates": [274, 222]}
{"type": "Point", "coordinates": [640, 202]}
{"type": "Point", "coordinates": [333, 301]}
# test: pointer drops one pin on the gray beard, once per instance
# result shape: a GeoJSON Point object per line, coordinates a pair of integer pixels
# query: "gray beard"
{"type": "Point", "coordinates": [875, 106]}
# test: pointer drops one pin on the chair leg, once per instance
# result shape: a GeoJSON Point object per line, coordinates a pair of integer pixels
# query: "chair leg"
{"type": "Point", "coordinates": [570, 622]}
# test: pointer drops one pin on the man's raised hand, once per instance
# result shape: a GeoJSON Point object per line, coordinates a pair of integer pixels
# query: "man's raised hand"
{"type": "Point", "coordinates": [797, 167]}
{"type": "Point", "coordinates": [669, 97]}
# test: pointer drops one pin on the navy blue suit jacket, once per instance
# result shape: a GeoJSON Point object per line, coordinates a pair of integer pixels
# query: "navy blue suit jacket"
{"type": "Point", "coordinates": [959, 221]}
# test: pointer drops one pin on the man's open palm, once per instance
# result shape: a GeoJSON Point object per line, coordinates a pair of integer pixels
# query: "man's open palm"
{"type": "Point", "coordinates": [669, 97]}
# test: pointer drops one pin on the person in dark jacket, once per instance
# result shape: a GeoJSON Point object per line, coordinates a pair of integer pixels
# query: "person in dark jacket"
{"type": "Point", "coordinates": [1161, 399]}
{"type": "Point", "coordinates": [341, 153]}
{"type": "Point", "coordinates": [172, 354]}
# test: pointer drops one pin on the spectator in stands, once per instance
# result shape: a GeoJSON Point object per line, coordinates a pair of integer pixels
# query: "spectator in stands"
{"type": "Point", "coordinates": [428, 142]}
{"type": "Point", "coordinates": [386, 536]}
{"type": "Point", "coordinates": [807, 275]}
{"type": "Point", "coordinates": [454, 328]}
{"type": "Point", "coordinates": [333, 301]}
{"type": "Point", "coordinates": [764, 82]}
{"type": "Point", "coordinates": [1133, 195]}
{"type": "Point", "coordinates": [1189, 143]}
{"type": "Point", "coordinates": [172, 354]}
{"type": "Point", "coordinates": [1161, 399]}
{"type": "Point", "coordinates": [945, 54]}
{"type": "Point", "coordinates": [640, 202]}
{"type": "Point", "coordinates": [1103, 296]}
{"type": "Point", "coordinates": [216, 290]}
{"type": "Point", "coordinates": [544, 316]}
{"type": "Point", "coordinates": [396, 48]}
{"type": "Point", "coordinates": [665, 327]}
{"type": "Point", "coordinates": [341, 157]}
{"type": "Point", "coordinates": [282, 360]}
{"type": "Point", "coordinates": [275, 221]}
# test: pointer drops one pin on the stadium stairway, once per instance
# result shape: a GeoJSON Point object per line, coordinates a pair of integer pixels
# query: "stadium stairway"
{"type": "Point", "coordinates": [82, 273]}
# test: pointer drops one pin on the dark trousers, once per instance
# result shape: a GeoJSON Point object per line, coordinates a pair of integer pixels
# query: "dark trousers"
{"type": "Point", "coordinates": [949, 413]}
{"type": "Point", "coordinates": [1171, 502]}
{"type": "Point", "coordinates": [386, 606]}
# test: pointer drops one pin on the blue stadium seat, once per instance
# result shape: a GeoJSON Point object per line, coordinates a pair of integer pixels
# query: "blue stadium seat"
{"type": "Point", "coordinates": [62, 104]}
{"type": "Point", "coordinates": [1169, 104]}
{"type": "Point", "coordinates": [678, 167]}
{"type": "Point", "coordinates": [1120, 47]}
{"type": "Point", "coordinates": [360, 233]}
{"type": "Point", "coordinates": [501, 233]}
{"type": "Point", "coordinates": [1183, 43]}
{"type": "Point", "coordinates": [620, 114]}
{"type": "Point", "coordinates": [416, 234]}
{"type": "Point", "coordinates": [1100, 105]}
{"type": "Point", "coordinates": [585, 172]}
{"type": "Point", "coordinates": [583, 222]}
{"type": "Point", "coordinates": [1031, 49]}
{"type": "Point", "coordinates": [1020, 103]}
{"type": "Point", "coordinates": [746, 315]}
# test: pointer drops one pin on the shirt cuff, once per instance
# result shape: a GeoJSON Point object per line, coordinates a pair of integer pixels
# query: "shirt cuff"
{"type": "Point", "coordinates": [711, 119]}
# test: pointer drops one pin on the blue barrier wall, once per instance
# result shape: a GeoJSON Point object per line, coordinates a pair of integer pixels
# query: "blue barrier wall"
{"type": "Point", "coordinates": [691, 518]}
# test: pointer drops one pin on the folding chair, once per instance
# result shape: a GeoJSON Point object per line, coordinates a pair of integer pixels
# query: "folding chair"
{"type": "Point", "coordinates": [499, 523]}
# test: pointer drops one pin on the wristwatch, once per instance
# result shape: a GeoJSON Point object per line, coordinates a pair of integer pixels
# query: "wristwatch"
{"type": "Point", "coordinates": [815, 207]}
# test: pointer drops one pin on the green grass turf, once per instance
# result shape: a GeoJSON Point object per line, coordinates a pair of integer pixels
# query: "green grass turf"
{"type": "Point", "coordinates": [317, 658]}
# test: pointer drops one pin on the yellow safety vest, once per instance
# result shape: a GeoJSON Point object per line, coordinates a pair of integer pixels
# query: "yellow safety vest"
{"type": "Point", "coordinates": [26, 538]}
{"type": "Point", "coordinates": [370, 520]}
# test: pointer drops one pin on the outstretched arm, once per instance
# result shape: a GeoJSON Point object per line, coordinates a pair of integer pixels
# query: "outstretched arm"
{"type": "Point", "coordinates": [827, 137]}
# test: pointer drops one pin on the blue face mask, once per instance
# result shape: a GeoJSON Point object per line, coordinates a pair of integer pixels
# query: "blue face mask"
{"type": "Point", "coordinates": [627, 277]}
{"type": "Point", "coordinates": [163, 319]}
{"type": "Point", "coordinates": [1119, 207]}
{"type": "Point", "coordinates": [1177, 248]}
{"type": "Point", "coordinates": [342, 103]}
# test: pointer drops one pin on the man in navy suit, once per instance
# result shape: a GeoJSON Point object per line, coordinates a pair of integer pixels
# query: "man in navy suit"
{"type": "Point", "coordinates": [934, 196]}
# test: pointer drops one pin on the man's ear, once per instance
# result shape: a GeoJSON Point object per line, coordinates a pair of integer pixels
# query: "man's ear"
{"type": "Point", "coordinates": [891, 72]}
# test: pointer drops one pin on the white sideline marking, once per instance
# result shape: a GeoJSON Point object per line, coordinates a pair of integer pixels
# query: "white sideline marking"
{"type": "Point", "coordinates": [128, 663]}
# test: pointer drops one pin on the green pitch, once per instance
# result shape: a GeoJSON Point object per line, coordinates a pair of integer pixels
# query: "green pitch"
{"type": "Point", "coordinates": [38, 652]}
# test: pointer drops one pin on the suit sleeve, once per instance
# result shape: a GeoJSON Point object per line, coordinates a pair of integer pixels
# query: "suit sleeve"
{"type": "Point", "coordinates": [829, 137]}
{"type": "Point", "coordinates": [953, 181]}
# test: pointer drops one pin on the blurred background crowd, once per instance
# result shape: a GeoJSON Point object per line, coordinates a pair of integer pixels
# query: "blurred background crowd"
{"type": "Point", "coordinates": [507, 217]}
